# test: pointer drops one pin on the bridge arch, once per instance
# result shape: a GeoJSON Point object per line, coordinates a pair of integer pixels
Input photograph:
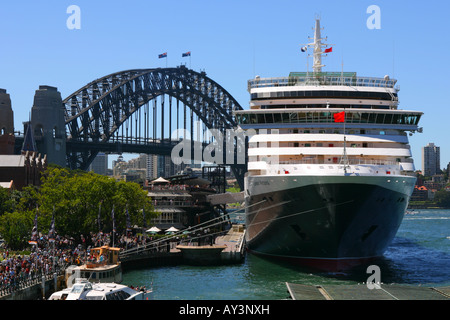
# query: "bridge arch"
{"type": "Point", "coordinates": [95, 113]}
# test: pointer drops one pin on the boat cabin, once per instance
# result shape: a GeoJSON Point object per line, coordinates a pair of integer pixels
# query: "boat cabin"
{"type": "Point", "coordinates": [103, 255]}
{"type": "Point", "coordinates": [103, 266]}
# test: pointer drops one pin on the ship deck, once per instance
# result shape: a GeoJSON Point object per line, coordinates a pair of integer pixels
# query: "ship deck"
{"type": "Point", "coordinates": [362, 292]}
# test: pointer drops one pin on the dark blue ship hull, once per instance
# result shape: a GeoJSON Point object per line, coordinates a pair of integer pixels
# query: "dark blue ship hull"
{"type": "Point", "coordinates": [329, 226]}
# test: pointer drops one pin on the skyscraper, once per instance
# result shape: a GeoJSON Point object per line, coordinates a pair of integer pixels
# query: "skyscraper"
{"type": "Point", "coordinates": [431, 159]}
{"type": "Point", "coordinates": [100, 164]}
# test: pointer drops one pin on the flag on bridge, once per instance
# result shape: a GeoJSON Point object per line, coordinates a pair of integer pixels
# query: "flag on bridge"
{"type": "Point", "coordinates": [186, 54]}
{"type": "Point", "coordinates": [163, 55]}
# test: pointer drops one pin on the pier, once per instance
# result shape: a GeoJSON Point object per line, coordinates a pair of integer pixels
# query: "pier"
{"type": "Point", "coordinates": [227, 247]}
{"type": "Point", "coordinates": [362, 292]}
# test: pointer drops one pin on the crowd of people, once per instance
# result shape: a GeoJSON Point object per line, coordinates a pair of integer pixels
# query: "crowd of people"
{"type": "Point", "coordinates": [47, 257]}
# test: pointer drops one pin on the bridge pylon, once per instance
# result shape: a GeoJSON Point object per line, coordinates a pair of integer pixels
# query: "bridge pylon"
{"type": "Point", "coordinates": [48, 124]}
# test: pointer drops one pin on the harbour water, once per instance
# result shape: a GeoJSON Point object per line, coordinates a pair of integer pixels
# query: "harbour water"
{"type": "Point", "coordinates": [419, 255]}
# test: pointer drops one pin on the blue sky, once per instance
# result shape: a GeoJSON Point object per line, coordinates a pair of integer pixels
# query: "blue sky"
{"type": "Point", "coordinates": [232, 41]}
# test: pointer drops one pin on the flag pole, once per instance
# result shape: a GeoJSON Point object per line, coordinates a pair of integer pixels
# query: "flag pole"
{"type": "Point", "coordinates": [344, 157]}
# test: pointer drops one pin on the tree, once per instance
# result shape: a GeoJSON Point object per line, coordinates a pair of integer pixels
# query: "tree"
{"type": "Point", "coordinates": [442, 198]}
{"type": "Point", "coordinates": [76, 199]}
{"type": "Point", "coordinates": [15, 228]}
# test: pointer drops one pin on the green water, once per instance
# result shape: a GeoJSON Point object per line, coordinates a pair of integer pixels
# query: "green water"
{"type": "Point", "coordinates": [420, 254]}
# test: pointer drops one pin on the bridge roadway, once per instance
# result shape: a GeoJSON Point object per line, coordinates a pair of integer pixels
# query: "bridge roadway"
{"type": "Point", "coordinates": [118, 147]}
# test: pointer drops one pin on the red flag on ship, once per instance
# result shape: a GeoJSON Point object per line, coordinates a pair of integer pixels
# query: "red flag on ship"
{"type": "Point", "coordinates": [339, 117]}
{"type": "Point", "coordinates": [330, 49]}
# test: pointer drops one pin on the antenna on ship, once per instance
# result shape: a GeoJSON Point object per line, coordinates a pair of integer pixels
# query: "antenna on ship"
{"type": "Point", "coordinates": [317, 46]}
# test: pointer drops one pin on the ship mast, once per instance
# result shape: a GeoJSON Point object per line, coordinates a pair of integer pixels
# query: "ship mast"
{"type": "Point", "coordinates": [317, 46]}
{"type": "Point", "coordinates": [317, 54]}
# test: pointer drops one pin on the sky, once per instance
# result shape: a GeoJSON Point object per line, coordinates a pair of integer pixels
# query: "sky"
{"type": "Point", "coordinates": [232, 41]}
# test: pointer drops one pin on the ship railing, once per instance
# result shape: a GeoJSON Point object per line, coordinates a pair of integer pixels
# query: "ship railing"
{"type": "Point", "coordinates": [321, 80]}
{"type": "Point", "coordinates": [350, 162]}
{"type": "Point", "coordinates": [95, 264]}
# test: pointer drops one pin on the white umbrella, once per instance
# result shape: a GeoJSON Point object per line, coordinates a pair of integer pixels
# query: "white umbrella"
{"type": "Point", "coordinates": [160, 180]}
{"type": "Point", "coordinates": [172, 229]}
{"type": "Point", "coordinates": [153, 229]}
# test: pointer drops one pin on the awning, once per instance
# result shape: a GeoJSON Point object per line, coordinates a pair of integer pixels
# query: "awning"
{"type": "Point", "coordinates": [160, 180]}
{"type": "Point", "coordinates": [153, 229]}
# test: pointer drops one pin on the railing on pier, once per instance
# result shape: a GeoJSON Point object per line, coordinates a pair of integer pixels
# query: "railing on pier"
{"type": "Point", "coordinates": [25, 281]}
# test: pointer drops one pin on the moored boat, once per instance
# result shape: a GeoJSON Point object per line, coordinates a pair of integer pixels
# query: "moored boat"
{"type": "Point", "coordinates": [103, 266]}
{"type": "Point", "coordinates": [85, 290]}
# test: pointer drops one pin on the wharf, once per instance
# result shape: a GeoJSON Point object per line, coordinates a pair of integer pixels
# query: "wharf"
{"type": "Point", "coordinates": [228, 248]}
{"type": "Point", "coordinates": [362, 292]}
{"type": "Point", "coordinates": [234, 242]}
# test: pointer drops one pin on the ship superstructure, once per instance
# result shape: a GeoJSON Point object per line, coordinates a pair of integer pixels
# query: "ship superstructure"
{"type": "Point", "coordinates": [330, 169]}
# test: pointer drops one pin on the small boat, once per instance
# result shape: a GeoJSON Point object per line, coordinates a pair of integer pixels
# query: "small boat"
{"type": "Point", "coordinates": [104, 266]}
{"type": "Point", "coordinates": [85, 290]}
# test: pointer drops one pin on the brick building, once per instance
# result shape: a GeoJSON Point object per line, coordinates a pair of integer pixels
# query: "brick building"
{"type": "Point", "coordinates": [23, 170]}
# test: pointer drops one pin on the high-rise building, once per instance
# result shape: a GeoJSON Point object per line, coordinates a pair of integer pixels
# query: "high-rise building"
{"type": "Point", "coordinates": [431, 159]}
{"type": "Point", "coordinates": [100, 164]}
{"type": "Point", "coordinates": [152, 166]}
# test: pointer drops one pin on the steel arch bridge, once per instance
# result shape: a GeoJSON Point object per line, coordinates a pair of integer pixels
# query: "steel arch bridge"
{"type": "Point", "coordinates": [113, 113]}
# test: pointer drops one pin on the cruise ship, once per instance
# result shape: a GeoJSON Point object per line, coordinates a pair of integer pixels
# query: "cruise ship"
{"type": "Point", "coordinates": [330, 169]}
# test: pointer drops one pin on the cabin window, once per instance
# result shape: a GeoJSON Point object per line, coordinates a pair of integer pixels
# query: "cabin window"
{"type": "Point", "coordinates": [123, 295]}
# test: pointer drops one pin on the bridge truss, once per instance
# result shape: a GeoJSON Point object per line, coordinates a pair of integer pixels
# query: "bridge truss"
{"type": "Point", "coordinates": [133, 111]}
